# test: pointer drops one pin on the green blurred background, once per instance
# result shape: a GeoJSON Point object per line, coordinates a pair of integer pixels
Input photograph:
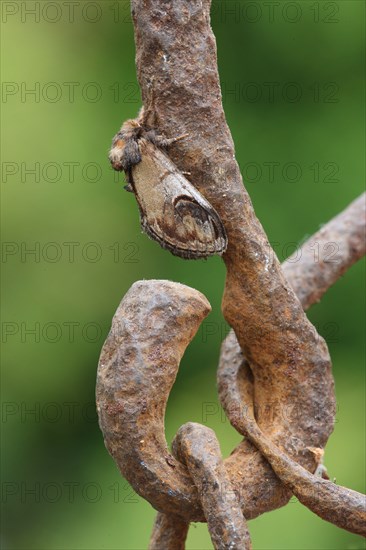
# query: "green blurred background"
{"type": "Point", "coordinates": [293, 88]}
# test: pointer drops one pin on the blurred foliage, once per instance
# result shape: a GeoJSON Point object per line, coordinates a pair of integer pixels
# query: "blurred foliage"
{"type": "Point", "coordinates": [292, 80]}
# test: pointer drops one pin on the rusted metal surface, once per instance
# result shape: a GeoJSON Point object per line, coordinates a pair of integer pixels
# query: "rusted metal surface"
{"type": "Point", "coordinates": [310, 277]}
{"type": "Point", "coordinates": [284, 387]}
{"type": "Point", "coordinates": [138, 366]}
{"type": "Point", "coordinates": [328, 253]}
{"type": "Point", "coordinates": [176, 56]}
{"type": "Point", "coordinates": [169, 533]}
{"type": "Point", "coordinates": [151, 329]}
{"type": "Point", "coordinates": [336, 504]}
{"type": "Point", "coordinates": [197, 447]}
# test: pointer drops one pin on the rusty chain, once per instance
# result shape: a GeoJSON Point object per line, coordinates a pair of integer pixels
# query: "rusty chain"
{"type": "Point", "coordinates": [153, 325]}
{"type": "Point", "coordinates": [288, 365]}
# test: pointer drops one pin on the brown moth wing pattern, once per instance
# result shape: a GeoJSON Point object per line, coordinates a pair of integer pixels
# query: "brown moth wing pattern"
{"type": "Point", "coordinates": [172, 211]}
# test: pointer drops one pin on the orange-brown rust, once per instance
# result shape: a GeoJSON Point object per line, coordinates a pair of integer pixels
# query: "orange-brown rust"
{"type": "Point", "coordinates": [290, 369]}
{"type": "Point", "coordinates": [281, 345]}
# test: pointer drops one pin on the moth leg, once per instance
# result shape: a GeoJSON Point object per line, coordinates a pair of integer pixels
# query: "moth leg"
{"type": "Point", "coordinates": [162, 141]}
{"type": "Point", "coordinates": [166, 142]}
{"type": "Point", "coordinates": [147, 118]}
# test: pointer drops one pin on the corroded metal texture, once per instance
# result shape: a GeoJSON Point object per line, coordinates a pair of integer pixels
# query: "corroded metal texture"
{"type": "Point", "coordinates": [169, 533]}
{"type": "Point", "coordinates": [176, 57]}
{"type": "Point", "coordinates": [153, 324]}
{"type": "Point", "coordinates": [288, 384]}
{"type": "Point", "coordinates": [138, 365]}
{"type": "Point", "coordinates": [197, 447]}
{"type": "Point", "coordinates": [336, 504]}
{"type": "Point", "coordinates": [310, 275]}
{"type": "Point", "coordinates": [328, 253]}
{"type": "Point", "coordinates": [150, 331]}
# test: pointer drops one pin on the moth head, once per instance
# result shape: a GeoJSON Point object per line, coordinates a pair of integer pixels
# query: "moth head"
{"type": "Point", "coordinates": [116, 154]}
{"type": "Point", "coordinates": [124, 153]}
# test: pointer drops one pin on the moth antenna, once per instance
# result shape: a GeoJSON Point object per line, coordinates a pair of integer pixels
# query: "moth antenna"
{"type": "Point", "coordinates": [162, 141]}
{"type": "Point", "coordinates": [141, 117]}
{"type": "Point", "coordinates": [170, 141]}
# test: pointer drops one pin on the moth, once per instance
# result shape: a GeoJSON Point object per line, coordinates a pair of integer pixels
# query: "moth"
{"type": "Point", "coordinates": [172, 211]}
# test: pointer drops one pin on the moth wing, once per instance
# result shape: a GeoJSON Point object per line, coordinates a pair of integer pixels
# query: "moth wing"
{"type": "Point", "coordinates": [172, 211]}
